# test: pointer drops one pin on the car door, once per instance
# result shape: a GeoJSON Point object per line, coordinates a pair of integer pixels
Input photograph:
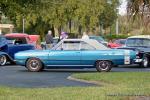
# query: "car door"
{"type": "Point", "coordinates": [88, 54]}
{"type": "Point", "coordinates": [66, 54]}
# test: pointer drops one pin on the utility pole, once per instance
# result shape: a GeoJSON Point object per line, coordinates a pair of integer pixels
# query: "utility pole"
{"type": "Point", "coordinates": [23, 24]}
{"type": "Point", "coordinates": [117, 23]}
{"type": "Point", "coordinates": [117, 27]}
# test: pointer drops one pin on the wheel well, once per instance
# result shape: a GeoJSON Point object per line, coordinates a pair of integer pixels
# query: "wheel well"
{"type": "Point", "coordinates": [147, 54]}
{"type": "Point", "coordinates": [35, 58]}
{"type": "Point", "coordinates": [104, 60]}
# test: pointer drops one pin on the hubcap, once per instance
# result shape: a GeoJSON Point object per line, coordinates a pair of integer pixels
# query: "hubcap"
{"type": "Point", "coordinates": [145, 62]}
{"type": "Point", "coordinates": [103, 65]}
{"type": "Point", "coordinates": [34, 64]}
{"type": "Point", "coordinates": [3, 60]}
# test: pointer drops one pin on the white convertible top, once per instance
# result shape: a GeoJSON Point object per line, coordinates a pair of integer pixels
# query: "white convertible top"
{"type": "Point", "coordinates": [91, 42]}
{"type": "Point", "coordinates": [140, 36]}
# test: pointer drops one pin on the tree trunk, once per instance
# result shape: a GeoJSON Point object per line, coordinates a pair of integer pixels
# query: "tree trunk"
{"type": "Point", "coordinates": [53, 31]}
{"type": "Point", "coordinates": [70, 25]}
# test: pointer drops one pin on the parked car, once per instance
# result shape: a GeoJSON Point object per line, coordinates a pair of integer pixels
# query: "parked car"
{"type": "Point", "coordinates": [75, 53]}
{"type": "Point", "coordinates": [23, 38]}
{"type": "Point", "coordinates": [117, 43]}
{"type": "Point", "coordinates": [120, 41]}
{"type": "Point", "coordinates": [140, 43]}
{"type": "Point", "coordinates": [8, 49]}
{"type": "Point", "coordinates": [99, 39]}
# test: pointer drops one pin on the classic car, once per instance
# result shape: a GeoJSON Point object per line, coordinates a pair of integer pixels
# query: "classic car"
{"type": "Point", "coordinates": [140, 43]}
{"type": "Point", "coordinates": [23, 38]}
{"type": "Point", "coordinates": [75, 53]}
{"type": "Point", "coordinates": [9, 47]}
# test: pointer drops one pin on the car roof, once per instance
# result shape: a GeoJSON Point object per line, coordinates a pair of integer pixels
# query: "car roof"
{"type": "Point", "coordinates": [91, 42]}
{"type": "Point", "coordinates": [16, 35]}
{"type": "Point", "coordinates": [140, 36]}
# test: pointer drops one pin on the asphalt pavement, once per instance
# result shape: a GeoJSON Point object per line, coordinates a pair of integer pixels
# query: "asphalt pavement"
{"type": "Point", "coordinates": [19, 76]}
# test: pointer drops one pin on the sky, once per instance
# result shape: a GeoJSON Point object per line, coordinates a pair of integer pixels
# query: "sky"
{"type": "Point", "coordinates": [122, 8]}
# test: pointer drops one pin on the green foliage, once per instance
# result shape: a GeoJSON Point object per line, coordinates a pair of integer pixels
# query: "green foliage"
{"type": "Point", "coordinates": [39, 14]}
{"type": "Point", "coordinates": [114, 36]}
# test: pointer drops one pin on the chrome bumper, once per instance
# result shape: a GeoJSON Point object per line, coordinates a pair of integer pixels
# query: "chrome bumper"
{"type": "Point", "coordinates": [138, 60]}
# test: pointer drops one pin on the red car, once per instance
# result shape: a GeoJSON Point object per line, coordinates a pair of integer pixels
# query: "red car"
{"type": "Point", "coordinates": [117, 43]}
{"type": "Point", "coordinates": [22, 38]}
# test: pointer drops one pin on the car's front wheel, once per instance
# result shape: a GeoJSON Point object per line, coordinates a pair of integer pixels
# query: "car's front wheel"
{"type": "Point", "coordinates": [103, 65]}
{"type": "Point", "coordinates": [3, 60]}
{"type": "Point", "coordinates": [34, 65]}
{"type": "Point", "coordinates": [145, 62]}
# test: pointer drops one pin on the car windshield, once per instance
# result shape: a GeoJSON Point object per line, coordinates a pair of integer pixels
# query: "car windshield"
{"type": "Point", "coordinates": [121, 41]}
{"type": "Point", "coordinates": [2, 39]}
{"type": "Point", "coordinates": [133, 42]}
{"type": "Point", "coordinates": [98, 38]}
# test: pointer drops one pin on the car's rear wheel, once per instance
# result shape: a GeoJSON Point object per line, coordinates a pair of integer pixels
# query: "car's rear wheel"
{"type": "Point", "coordinates": [34, 65]}
{"type": "Point", "coordinates": [145, 62]}
{"type": "Point", "coordinates": [103, 65]}
{"type": "Point", "coordinates": [3, 60]}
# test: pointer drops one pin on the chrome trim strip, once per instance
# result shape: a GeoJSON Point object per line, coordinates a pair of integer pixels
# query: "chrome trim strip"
{"type": "Point", "coordinates": [69, 65]}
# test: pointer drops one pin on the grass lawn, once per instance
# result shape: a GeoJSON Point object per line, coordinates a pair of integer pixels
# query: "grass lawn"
{"type": "Point", "coordinates": [113, 86]}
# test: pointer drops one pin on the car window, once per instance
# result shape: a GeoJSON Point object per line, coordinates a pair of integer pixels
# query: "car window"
{"type": "Point", "coordinates": [71, 45]}
{"type": "Point", "coordinates": [17, 40]}
{"type": "Point", "coordinates": [59, 47]}
{"type": "Point", "coordinates": [86, 46]}
{"type": "Point", "coordinates": [138, 42]}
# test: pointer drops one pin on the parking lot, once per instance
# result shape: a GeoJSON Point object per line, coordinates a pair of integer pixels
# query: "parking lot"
{"type": "Point", "coordinates": [18, 76]}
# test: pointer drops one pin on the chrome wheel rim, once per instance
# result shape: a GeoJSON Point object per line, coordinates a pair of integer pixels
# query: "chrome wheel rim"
{"type": "Point", "coordinates": [3, 60]}
{"type": "Point", "coordinates": [34, 64]}
{"type": "Point", "coordinates": [104, 65]}
{"type": "Point", "coordinates": [145, 62]}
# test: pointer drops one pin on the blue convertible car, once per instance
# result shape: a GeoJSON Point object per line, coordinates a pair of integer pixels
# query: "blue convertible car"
{"type": "Point", "coordinates": [9, 47]}
{"type": "Point", "coordinates": [75, 53]}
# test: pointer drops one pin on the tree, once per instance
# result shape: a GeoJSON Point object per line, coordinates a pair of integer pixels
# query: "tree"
{"type": "Point", "coordinates": [139, 10]}
{"type": "Point", "coordinates": [41, 15]}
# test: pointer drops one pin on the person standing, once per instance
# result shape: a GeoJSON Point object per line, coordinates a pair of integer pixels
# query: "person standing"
{"type": "Point", "coordinates": [63, 35]}
{"type": "Point", "coordinates": [49, 39]}
{"type": "Point", "coordinates": [85, 36]}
